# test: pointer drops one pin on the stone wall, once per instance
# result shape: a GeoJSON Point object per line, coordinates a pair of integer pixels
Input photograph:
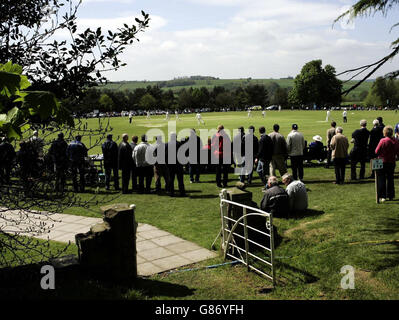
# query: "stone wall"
{"type": "Point", "coordinates": [109, 248]}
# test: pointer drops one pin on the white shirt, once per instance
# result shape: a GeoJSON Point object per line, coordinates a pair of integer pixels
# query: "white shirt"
{"type": "Point", "coordinates": [298, 196]}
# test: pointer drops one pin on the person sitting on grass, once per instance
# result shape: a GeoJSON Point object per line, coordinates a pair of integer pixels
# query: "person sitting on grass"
{"type": "Point", "coordinates": [296, 190]}
{"type": "Point", "coordinates": [275, 200]}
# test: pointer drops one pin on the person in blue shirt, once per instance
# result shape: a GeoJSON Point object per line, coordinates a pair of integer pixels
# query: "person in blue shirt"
{"type": "Point", "coordinates": [397, 131]}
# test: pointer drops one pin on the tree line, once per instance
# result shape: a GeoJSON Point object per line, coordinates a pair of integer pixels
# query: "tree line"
{"type": "Point", "coordinates": [153, 97]}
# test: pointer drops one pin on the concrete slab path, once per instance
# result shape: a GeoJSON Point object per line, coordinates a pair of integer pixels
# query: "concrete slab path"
{"type": "Point", "coordinates": [157, 250]}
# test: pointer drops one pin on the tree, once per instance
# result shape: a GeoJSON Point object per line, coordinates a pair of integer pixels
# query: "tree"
{"type": "Point", "coordinates": [57, 73]}
{"type": "Point", "coordinates": [148, 102]}
{"type": "Point", "coordinates": [65, 68]}
{"type": "Point", "coordinates": [280, 97]}
{"type": "Point", "coordinates": [365, 8]}
{"type": "Point", "coordinates": [21, 108]}
{"type": "Point", "coordinates": [257, 95]}
{"type": "Point", "coordinates": [224, 100]}
{"type": "Point", "coordinates": [315, 85]}
{"type": "Point", "coordinates": [106, 102]}
{"type": "Point", "coordinates": [383, 92]}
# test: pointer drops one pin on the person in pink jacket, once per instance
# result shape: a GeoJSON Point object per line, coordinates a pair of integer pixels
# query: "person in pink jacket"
{"type": "Point", "coordinates": [387, 150]}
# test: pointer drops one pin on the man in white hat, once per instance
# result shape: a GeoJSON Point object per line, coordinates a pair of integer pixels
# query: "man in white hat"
{"type": "Point", "coordinates": [316, 148]}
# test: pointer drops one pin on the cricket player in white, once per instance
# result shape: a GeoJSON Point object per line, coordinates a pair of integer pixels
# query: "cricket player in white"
{"type": "Point", "coordinates": [148, 114]}
{"type": "Point", "coordinates": [249, 113]}
{"type": "Point", "coordinates": [279, 108]}
{"type": "Point", "coordinates": [328, 115]}
{"type": "Point", "coordinates": [177, 115]}
{"type": "Point", "coordinates": [344, 114]}
{"type": "Point", "coordinates": [199, 118]}
{"type": "Point", "coordinates": [263, 113]}
{"type": "Point", "coordinates": [167, 116]}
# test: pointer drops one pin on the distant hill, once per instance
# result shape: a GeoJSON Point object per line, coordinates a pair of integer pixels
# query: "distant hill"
{"type": "Point", "coordinates": [210, 82]}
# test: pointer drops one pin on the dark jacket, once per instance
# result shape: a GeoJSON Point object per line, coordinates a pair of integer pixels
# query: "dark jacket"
{"type": "Point", "coordinates": [172, 148]}
{"type": "Point", "coordinates": [361, 138]}
{"type": "Point", "coordinates": [279, 144]}
{"type": "Point", "coordinates": [198, 147]}
{"type": "Point", "coordinates": [276, 202]}
{"type": "Point", "coordinates": [221, 145]}
{"type": "Point", "coordinates": [255, 145]}
{"type": "Point", "coordinates": [110, 153]}
{"type": "Point", "coordinates": [265, 150]}
{"type": "Point", "coordinates": [125, 153]}
{"type": "Point", "coordinates": [58, 152]}
{"type": "Point", "coordinates": [76, 151]}
{"type": "Point", "coordinates": [375, 137]}
{"type": "Point", "coordinates": [7, 154]}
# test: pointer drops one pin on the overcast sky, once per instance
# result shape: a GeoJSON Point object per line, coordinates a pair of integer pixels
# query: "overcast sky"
{"type": "Point", "coordinates": [241, 39]}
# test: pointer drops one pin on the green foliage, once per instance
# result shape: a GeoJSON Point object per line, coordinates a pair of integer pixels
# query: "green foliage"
{"type": "Point", "coordinates": [315, 85]}
{"type": "Point", "coordinates": [64, 67]}
{"type": "Point", "coordinates": [383, 92]}
{"type": "Point", "coordinates": [148, 102]}
{"type": "Point", "coordinates": [366, 8]}
{"type": "Point", "coordinates": [106, 102]}
{"type": "Point", "coordinates": [20, 108]}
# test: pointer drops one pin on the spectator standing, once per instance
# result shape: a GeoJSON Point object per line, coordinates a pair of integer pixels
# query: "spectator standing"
{"type": "Point", "coordinates": [376, 135]}
{"type": "Point", "coordinates": [339, 146]}
{"type": "Point", "coordinates": [238, 147]}
{"type": "Point", "coordinates": [195, 158]}
{"type": "Point", "coordinates": [144, 168]}
{"type": "Point", "coordinates": [7, 156]}
{"type": "Point", "coordinates": [160, 167]}
{"type": "Point", "coordinates": [264, 156]}
{"type": "Point", "coordinates": [38, 144]}
{"type": "Point", "coordinates": [133, 144]}
{"type": "Point", "coordinates": [275, 199]}
{"type": "Point", "coordinates": [330, 134]}
{"type": "Point", "coordinates": [77, 154]}
{"type": "Point", "coordinates": [110, 156]}
{"type": "Point", "coordinates": [360, 138]}
{"type": "Point", "coordinates": [279, 152]}
{"type": "Point", "coordinates": [174, 166]}
{"type": "Point", "coordinates": [297, 194]}
{"type": "Point", "coordinates": [388, 151]}
{"type": "Point", "coordinates": [125, 162]}
{"type": "Point", "coordinates": [58, 154]}
{"type": "Point", "coordinates": [295, 146]}
{"type": "Point", "coordinates": [221, 150]}
{"type": "Point", "coordinates": [27, 161]}
{"type": "Point", "coordinates": [249, 155]}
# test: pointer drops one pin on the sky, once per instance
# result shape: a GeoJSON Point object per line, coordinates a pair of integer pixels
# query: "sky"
{"type": "Point", "coordinates": [232, 39]}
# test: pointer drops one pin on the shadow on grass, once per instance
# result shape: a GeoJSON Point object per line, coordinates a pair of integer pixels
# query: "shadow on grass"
{"type": "Point", "coordinates": [288, 274]}
{"type": "Point", "coordinates": [386, 249]}
{"type": "Point", "coordinates": [71, 282]}
{"type": "Point", "coordinates": [204, 196]}
{"type": "Point", "coordinates": [306, 214]}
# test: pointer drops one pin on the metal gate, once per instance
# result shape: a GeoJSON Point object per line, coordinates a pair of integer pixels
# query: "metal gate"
{"type": "Point", "coordinates": [231, 238]}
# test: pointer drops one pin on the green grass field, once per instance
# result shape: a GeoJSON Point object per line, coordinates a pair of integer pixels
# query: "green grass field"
{"type": "Point", "coordinates": [344, 226]}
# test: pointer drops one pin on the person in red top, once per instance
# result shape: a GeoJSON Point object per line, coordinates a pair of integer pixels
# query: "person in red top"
{"type": "Point", "coordinates": [387, 150]}
{"type": "Point", "coordinates": [221, 151]}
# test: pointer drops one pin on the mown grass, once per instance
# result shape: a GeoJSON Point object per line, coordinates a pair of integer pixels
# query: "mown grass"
{"type": "Point", "coordinates": [344, 226]}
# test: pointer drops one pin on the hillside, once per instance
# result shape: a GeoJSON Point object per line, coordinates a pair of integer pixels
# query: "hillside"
{"type": "Point", "coordinates": [178, 84]}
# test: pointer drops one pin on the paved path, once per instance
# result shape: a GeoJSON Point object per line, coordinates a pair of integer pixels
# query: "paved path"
{"type": "Point", "coordinates": [157, 250]}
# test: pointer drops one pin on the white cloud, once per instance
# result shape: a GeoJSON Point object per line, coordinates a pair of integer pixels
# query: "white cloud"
{"type": "Point", "coordinates": [263, 39]}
